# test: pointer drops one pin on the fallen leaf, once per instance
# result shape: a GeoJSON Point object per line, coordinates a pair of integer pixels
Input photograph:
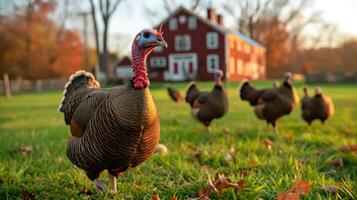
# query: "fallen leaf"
{"type": "Point", "coordinates": [85, 191]}
{"type": "Point", "coordinates": [330, 188]}
{"type": "Point", "coordinates": [173, 198]}
{"type": "Point", "coordinates": [23, 150]}
{"type": "Point", "coordinates": [26, 195]}
{"type": "Point", "coordinates": [217, 186]}
{"type": "Point", "coordinates": [288, 196]}
{"type": "Point", "coordinates": [337, 163]}
{"type": "Point", "coordinates": [226, 130]}
{"type": "Point", "coordinates": [299, 188]}
{"type": "Point", "coordinates": [268, 143]}
{"type": "Point", "coordinates": [197, 155]}
{"type": "Point", "coordinates": [321, 153]}
{"type": "Point", "coordinates": [26, 150]}
{"type": "Point", "coordinates": [155, 197]}
{"type": "Point", "coordinates": [349, 148]}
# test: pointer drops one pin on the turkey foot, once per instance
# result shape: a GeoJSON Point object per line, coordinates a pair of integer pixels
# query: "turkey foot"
{"type": "Point", "coordinates": [112, 183]}
{"type": "Point", "coordinates": [208, 129]}
{"type": "Point", "coordinates": [276, 130]}
{"type": "Point", "coordinates": [99, 185]}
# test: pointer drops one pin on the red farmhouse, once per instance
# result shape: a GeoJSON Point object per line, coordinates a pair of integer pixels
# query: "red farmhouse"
{"type": "Point", "coordinates": [198, 46]}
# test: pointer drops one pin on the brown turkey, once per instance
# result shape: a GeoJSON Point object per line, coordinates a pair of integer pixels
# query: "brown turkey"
{"type": "Point", "coordinates": [174, 94]}
{"type": "Point", "coordinates": [206, 106]}
{"type": "Point", "coordinates": [113, 129]}
{"type": "Point", "coordinates": [317, 107]}
{"type": "Point", "coordinates": [271, 104]}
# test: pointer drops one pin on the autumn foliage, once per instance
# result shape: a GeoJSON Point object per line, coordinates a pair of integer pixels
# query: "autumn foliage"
{"type": "Point", "coordinates": [33, 46]}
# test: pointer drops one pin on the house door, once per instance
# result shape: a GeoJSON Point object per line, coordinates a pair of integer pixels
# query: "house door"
{"type": "Point", "coordinates": [182, 67]}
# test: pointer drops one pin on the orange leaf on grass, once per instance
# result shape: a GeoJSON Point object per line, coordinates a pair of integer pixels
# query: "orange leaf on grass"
{"type": "Point", "coordinates": [268, 143]}
{"type": "Point", "coordinates": [349, 148]}
{"type": "Point", "coordinates": [155, 197]}
{"type": "Point", "coordinates": [300, 187]}
{"type": "Point", "coordinates": [288, 196]}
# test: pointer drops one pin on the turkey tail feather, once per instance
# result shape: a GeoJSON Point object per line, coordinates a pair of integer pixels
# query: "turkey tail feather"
{"type": "Point", "coordinates": [77, 81]}
{"type": "Point", "coordinates": [191, 93]}
{"type": "Point", "coordinates": [249, 93]}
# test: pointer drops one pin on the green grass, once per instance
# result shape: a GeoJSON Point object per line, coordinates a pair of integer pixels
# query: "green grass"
{"type": "Point", "coordinates": [32, 120]}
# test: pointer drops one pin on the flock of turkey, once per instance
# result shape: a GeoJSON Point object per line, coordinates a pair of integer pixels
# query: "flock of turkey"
{"type": "Point", "coordinates": [116, 129]}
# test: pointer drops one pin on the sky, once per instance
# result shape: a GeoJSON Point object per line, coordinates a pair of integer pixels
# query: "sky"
{"type": "Point", "coordinates": [130, 18]}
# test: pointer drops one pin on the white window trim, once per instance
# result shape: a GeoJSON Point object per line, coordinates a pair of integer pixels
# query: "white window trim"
{"type": "Point", "coordinates": [178, 37]}
{"type": "Point", "coordinates": [173, 24]}
{"type": "Point", "coordinates": [158, 62]}
{"type": "Point", "coordinates": [192, 22]}
{"type": "Point", "coordinates": [209, 57]}
{"type": "Point", "coordinates": [210, 35]}
{"type": "Point", "coordinates": [182, 19]}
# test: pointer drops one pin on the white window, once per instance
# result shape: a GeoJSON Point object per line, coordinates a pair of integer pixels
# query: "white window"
{"type": "Point", "coordinates": [212, 40]}
{"type": "Point", "coordinates": [173, 24]}
{"type": "Point", "coordinates": [182, 42]}
{"type": "Point", "coordinates": [158, 49]}
{"type": "Point", "coordinates": [232, 65]}
{"type": "Point", "coordinates": [240, 66]}
{"type": "Point", "coordinates": [158, 62]}
{"type": "Point", "coordinates": [212, 63]}
{"type": "Point", "coordinates": [182, 19]}
{"type": "Point", "coordinates": [192, 22]}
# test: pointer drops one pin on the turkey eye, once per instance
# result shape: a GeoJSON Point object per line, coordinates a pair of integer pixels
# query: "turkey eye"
{"type": "Point", "coordinates": [146, 34]}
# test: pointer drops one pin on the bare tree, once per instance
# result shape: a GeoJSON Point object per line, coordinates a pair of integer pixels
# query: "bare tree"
{"type": "Point", "coordinates": [169, 6]}
{"type": "Point", "coordinates": [106, 9]}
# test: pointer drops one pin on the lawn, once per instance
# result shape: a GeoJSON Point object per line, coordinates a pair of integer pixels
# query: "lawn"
{"type": "Point", "coordinates": [235, 148]}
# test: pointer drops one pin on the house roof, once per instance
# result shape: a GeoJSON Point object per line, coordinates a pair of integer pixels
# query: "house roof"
{"type": "Point", "coordinates": [217, 27]}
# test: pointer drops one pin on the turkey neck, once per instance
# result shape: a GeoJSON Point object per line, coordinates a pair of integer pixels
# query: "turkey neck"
{"type": "Point", "coordinates": [140, 79]}
{"type": "Point", "coordinates": [219, 81]}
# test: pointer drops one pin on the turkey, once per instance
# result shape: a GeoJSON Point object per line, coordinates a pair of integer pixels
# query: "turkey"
{"type": "Point", "coordinates": [317, 107]}
{"type": "Point", "coordinates": [113, 129]}
{"type": "Point", "coordinates": [271, 104]}
{"type": "Point", "coordinates": [206, 106]}
{"type": "Point", "coordinates": [174, 94]}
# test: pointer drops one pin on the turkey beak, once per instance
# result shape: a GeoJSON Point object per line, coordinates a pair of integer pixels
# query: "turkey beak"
{"type": "Point", "coordinates": [161, 42]}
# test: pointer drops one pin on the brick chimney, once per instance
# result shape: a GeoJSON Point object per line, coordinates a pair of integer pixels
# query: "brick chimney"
{"type": "Point", "coordinates": [211, 15]}
{"type": "Point", "coordinates": [220, 20]}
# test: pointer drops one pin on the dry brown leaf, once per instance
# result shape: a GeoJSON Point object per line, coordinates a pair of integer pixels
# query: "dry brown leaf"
{"type": "Point", "coordinates": [197, 155]}
{"type": "Point", "coordinates": [155, 197]}
{"type": "Point", "coordinates": [173, 198]}
{"type": "Point", "coordinates": [26, 150]}
{"type": "Point", "coordinates": [288, 196]}
{"type": "Point", "coordinates": [217, 186]}
{"type": "Point", "coordinates": [26, 195]}
{"type": "Point", "coordinates": [349, 148]}
{"type": "Point", "coordinates": [85, 191]}
{"type": "Point", "coordinates": [23, 150]}
{"type": "Point", "coordinates": [268, 143]}
{"type": "Point", "coordinates": [330, 188]}
{"type": "Point", "coordinates": [299, 188]}
{"type": "Point", "coordinates": [337, 163]}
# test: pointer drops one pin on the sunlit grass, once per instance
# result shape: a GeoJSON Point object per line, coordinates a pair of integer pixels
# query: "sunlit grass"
{"type": "Point", "coordinates": [33, 120]}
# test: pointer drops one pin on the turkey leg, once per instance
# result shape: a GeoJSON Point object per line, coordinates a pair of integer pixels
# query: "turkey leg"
{"type": "Point", "coordinates": [113, 183]}
{"type": "Point", "coordinates": [99, 185]}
